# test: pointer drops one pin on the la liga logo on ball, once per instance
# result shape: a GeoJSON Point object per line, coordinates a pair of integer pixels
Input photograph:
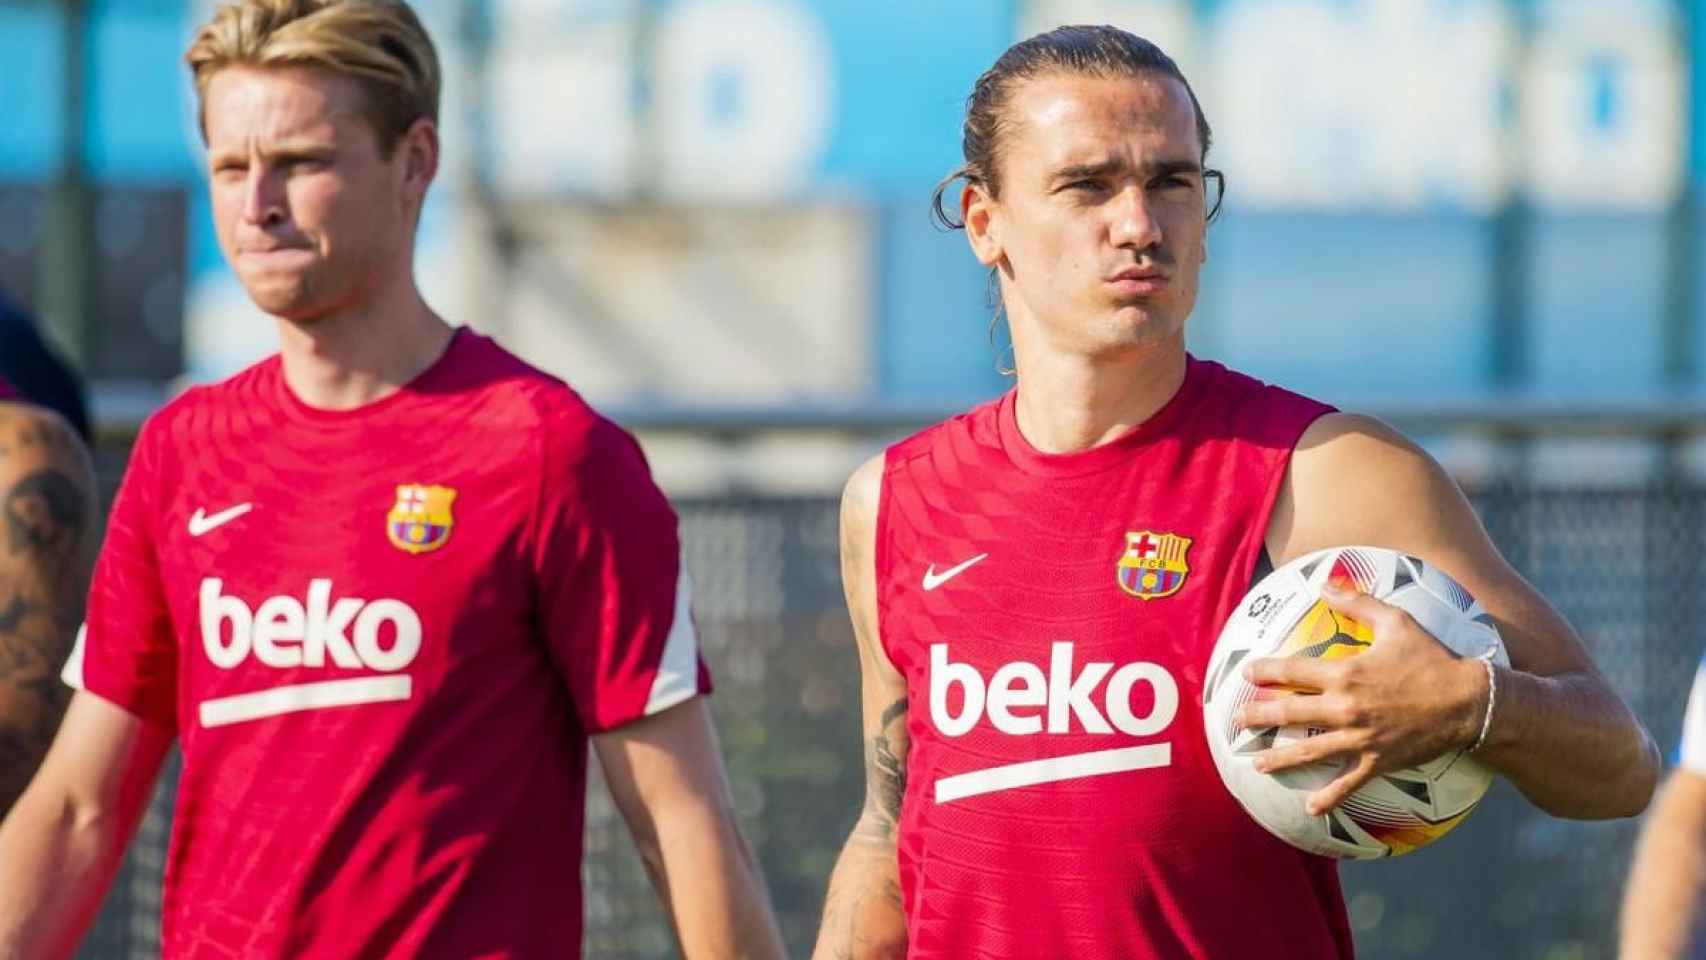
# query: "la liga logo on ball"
{"type": "Point", "coordinates": [1285, 616]}
{"type": "Point", "coordinates": [1153, 564]}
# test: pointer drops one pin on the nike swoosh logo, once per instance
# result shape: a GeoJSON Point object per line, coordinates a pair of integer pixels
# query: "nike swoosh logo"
{"type": "Point", "coordinates": [201, 522]}
{"type": "Point", "coordinates": [932, 579]}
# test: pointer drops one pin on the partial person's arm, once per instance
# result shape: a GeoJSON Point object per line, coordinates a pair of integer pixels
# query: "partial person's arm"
{"type": "Point", "coordinates": [617, 610]}
{"type": "Point", "coordinates": [1663, 915]}
{"type": "Point", "coordinates": [47, 547]}
{"type": "Point", "coordinates": [1558, 730]}
{"type": "Point", "coordinates": [616, 606]}
{"type": "Point", "coordinates": [63, 841]}
{"type": "Point", "coordinates": [863, 917]}
{"type": "Point", "coordinates": [667, 779]}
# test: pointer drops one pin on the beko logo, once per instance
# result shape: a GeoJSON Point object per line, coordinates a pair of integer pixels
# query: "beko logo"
{"type": "Point", "coordinates": [1020, 699]}
{"type": "Point", "coordinates": [285, 632]}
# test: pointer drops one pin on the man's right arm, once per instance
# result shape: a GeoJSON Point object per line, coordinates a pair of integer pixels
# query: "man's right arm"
{"type": "Point", "coordinates": [862, 917]}
{"type": "Point", "coordinates": [1662, 905]}
{"type": "Point", "coordinates": [63, 841]}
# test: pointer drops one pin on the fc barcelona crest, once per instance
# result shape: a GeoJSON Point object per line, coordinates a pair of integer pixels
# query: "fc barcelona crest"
{"type": "Point", "coordinates": [421, 520]}
{"type": "Point", "coordinates": [1153, 565]}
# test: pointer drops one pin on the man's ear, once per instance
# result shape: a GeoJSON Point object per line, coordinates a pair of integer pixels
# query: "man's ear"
{"type": "Point", "coordinates": [420, 156]}
{"type": "Point", "coordinates": [981, 214]}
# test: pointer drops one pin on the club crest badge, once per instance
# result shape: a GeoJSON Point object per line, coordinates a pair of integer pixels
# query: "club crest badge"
{"type": "Point", "coordinates": [1153, 564]}
{"type": "Point", "coordinates": [421, 520]}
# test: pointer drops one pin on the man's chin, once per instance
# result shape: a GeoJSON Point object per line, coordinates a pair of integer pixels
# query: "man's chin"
{"type": "Point", "coordinates": [286, 303]}
{"type": "Point", "coordinates": [1137, 324]}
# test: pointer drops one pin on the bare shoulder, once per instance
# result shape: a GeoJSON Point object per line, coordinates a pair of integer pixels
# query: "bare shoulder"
{"type": "Point", "coordinates": [859, 500]}
{"type": "Point", "coordinates": [1355, 479]}
{"type": "Point", "coordinates": [47, 485]}
{"type": "Point", "coordinates": [32, 435]}
{"type": "Point", "coordinates": [859, 505]}
{"type": "Point", "coordinates": [1340, 441]}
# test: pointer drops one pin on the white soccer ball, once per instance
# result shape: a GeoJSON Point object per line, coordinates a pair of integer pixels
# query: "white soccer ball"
{"type": "Point", "coordinates": [1284, 615]}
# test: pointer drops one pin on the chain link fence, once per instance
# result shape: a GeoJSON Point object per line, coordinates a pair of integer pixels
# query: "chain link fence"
{"type": "Point", "coordinates": [1623, 564]}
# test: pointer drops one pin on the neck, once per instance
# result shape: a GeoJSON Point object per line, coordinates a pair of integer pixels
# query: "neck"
{"type": "Point", "coordinates": [1069, 402]}
{"type": "Point", "coordinates": [350, 358]}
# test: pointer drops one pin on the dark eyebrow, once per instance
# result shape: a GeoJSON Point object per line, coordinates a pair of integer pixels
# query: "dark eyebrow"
{"type": "Point", "coordinates": [1088, 171]}
{"type": "Point", "coordinates": [1102, 168]}
{"type": "Point", "coordinates": [1167, 168]}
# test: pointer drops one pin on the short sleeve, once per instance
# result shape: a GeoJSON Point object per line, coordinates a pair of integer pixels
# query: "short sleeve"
{"type": "Point", "coordinates": [1692, 753]}
{"type": "Point", "coordinates": [127, 651]}
{"type": "Point", "coordinates": [615, 601]}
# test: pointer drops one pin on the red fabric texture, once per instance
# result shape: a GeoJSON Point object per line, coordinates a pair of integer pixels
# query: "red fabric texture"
{"type": "Point", "coordinates": [1060, 797]}
{"type": "Point", "coordinates": [264, 553]}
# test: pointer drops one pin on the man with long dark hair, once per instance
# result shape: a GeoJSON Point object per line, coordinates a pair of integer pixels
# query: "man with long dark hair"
{"type": "Point", "coordinates": [1036, 585]}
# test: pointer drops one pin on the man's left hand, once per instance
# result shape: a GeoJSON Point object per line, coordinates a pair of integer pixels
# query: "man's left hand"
{"type": "Point", "coordinates": [1404, 701]}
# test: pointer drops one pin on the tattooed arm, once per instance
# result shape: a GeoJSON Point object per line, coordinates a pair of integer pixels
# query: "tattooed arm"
{"type": "Point", "coordinates": [64, 838]}
{"type": "Point", "coordinates": [862, 917]}
{"type": "Point", "coordinates": [47, 543]}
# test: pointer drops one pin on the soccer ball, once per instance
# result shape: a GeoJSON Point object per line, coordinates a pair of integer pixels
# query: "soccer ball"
{"type": "Point", "coordinates": [1284, 615]}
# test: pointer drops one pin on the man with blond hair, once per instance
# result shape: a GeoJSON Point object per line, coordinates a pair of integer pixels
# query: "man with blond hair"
{"type": "Point", "coordinates": [381, 587]}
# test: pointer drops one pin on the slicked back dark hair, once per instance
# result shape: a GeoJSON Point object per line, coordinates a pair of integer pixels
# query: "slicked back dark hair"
{"type": "Point", "coordinates": [1099, 51]}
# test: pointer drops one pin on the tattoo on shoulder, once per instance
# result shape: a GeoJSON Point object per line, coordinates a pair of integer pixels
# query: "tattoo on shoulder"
{"type": "Point", "coordinates": [44, 526]}
{"type": "Point", "coordinates": [33, 432]}
{"type": "Point", "coordinates": [44, 513]}
{"type": "Point", "coordinates": [13, 617]}
{"type": "Point", "coordinates": [889, 763]}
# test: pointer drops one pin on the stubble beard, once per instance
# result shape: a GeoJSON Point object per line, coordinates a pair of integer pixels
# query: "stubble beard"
{"type": "Point", "coordinates": [1136, 327]}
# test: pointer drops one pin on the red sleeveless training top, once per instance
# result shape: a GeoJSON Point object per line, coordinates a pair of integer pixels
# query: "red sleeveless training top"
{"type": "Point", "coordinates": [1052, 616]}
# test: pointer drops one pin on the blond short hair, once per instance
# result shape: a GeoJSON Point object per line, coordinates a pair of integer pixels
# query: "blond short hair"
{"type": "Point", "coordinates": [380, 44]}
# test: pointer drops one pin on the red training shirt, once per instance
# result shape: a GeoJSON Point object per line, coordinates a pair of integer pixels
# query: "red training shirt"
{"type": "Point", "coordinates": [382, 636]}
{"type": "Point", "coordinates": [1052, 616]}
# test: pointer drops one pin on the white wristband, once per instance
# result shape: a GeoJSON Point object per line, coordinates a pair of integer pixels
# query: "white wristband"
{"type": "Point", "coordinates": [1492, 697]}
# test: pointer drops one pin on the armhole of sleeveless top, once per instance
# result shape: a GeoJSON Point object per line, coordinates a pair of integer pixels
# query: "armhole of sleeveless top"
{"type": "Point", "coordinates": [1264, 561]}
{"type": "Point", "coordinates": [879, 560]}
{"type": "Point", "coordinates": [1264, 566]}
